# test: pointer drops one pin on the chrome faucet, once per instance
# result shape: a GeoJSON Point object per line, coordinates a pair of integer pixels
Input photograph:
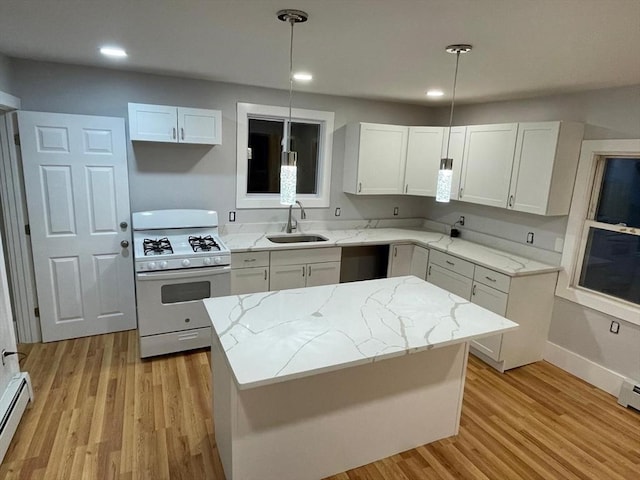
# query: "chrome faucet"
{"type": "Point", "coordinates": [292, 223]}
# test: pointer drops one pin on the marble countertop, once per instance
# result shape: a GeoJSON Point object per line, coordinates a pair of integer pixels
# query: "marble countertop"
{"type": "Point", "coordinates": [271, 337]}
{"type": "Point", "coordinates": [507, 263]}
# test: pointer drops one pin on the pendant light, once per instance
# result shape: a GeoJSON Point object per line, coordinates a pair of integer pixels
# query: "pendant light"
{"type": "Point", "coordinates": [289, 159]}
{"type": "Point", "coordinates": [445, 174]}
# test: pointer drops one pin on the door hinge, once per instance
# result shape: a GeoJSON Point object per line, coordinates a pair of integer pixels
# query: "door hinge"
{"type": "Point", "coordinates": [16, 139]}
{"type": "Point", "coordinates": [36, 312]}
{"type": "Point", "coordinates": [27, 229]}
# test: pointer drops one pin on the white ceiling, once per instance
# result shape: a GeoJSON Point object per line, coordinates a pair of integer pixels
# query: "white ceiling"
{"type": "Point", "coordinates": [382, 49]}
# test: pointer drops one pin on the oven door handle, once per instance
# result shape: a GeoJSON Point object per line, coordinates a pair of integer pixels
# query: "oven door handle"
{"type": "Point", "coordinates": [178, 274]}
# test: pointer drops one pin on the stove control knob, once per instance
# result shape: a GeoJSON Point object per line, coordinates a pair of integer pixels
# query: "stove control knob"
{"type": "Point", "coordinates": [163, 264]}
{"type": "Point", "coordinates": [186, 263]}
{"type": "Point", "coordinates": [218, 260]}
{"type": "Point", "coordinates": [151, 265]}
{"type": "Point", "coordinates": [207, 261]}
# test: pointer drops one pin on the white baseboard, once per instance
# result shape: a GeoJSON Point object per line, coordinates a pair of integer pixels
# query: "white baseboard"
{"type": "Point", "coordinates": [13, 403]}
{"type": "Point", "coordinates": [583, 368]}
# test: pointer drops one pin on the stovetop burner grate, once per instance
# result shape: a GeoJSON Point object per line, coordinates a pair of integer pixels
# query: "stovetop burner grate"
{"type": "Point", "coordinates": [205, 243]}
{"type": "Point", "coordinates": [160, 246]}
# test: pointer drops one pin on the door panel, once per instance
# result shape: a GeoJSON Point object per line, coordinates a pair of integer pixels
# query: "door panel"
{"type": "Point", "coordinates": [76, 184]}
{"type": "Point", "coordinates": [323, 274]}
{"type": "Point", "coordinates": [287, 276]}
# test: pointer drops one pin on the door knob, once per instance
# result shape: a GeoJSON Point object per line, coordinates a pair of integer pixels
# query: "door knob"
{"type": "Point", "coordinates": [124, 243]}
{"type": "Point", "coordinates": [123, 225]}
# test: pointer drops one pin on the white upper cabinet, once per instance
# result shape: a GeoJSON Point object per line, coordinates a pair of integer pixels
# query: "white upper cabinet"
{"type": "Point", "coordinates": [424, 151]}
{"type": "Point", "coordinates": [161, 123]}
{"type": "Point", "coordinates": [456, 152]}
{"type": "Point", "coordinates": [486, 168]}
{"type": "Point", "coordinates": [544, 167]}
{"type": "Point", "coordinates": [375, 157]}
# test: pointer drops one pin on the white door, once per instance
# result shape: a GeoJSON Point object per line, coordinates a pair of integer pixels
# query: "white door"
{"type": "Point", "coordinates": [76, 183]}
{"type": "Point", "coordinates": [327, 273]}
{"type": "Point", "coordinates": [382, 156]}
{"type": "Point", "coordinates": [249, 280]}
{"type": "Point", "coordinates": [153, 123]}
{"type": "Point", "coordinates": [283, 277]}
{"type": "Point", "coordinates": [197, 125]}
{"type": "Point", "coordinates": [423, 160]}
{"type": "Point", "coordinates": [419, 262]}
{"type": "Point", "coordinates": [400, 261]}
{"type": "Point", "coordinates": [496, 301]}
{"type": "Point", "coordinates": [450, 281]}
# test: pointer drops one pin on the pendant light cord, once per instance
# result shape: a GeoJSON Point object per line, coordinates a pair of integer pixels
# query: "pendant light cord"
{"type": "Point", "coordinates": [292, 21]}
{"type": "Point", "coordinates": [453, 100]}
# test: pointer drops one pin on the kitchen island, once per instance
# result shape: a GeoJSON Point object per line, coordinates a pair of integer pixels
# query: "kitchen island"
{"type": "Point", "coordinates": [315, 381]}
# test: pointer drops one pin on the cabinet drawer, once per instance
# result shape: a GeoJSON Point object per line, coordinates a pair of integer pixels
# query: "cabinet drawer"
{"type": "Point", "coordinates": [452, 263]}
{"type": "Point", "coordinates": [249, 259]}
{"type": "Point", "coordinates": [175, 342]}
{"type": "Point", "coordinates": [305, 255]}
{"type": "Point", "coordinates": [493, 279]}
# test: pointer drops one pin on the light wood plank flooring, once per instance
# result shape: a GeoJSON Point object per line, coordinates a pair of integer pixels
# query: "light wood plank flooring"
{"type": "Point", "coordinates": [102, 413]}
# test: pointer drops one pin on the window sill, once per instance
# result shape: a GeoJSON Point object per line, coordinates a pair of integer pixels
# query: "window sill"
{"type": "Point", "coordinates": [607, 305]}
{"type": "Point", "coordinates": [273, 201]}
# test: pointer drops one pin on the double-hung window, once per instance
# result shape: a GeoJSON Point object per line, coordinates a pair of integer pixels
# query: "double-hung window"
{"type": "Point", "coordinates": [261, 135]}
{"type": "Point", "coordinates": [602, 256]}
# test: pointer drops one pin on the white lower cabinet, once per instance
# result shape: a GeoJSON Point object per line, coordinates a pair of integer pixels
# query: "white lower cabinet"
{"type": "Point", "coordinates": [304, 268]}
{"type": "Point", "coordinates": [249, 272]}
{"type": "Point", "coordinates": [408, 259]}
{"type": "Point", "coordinates": [527, 300]}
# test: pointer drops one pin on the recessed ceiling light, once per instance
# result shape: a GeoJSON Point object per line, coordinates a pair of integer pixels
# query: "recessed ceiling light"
{"type": "Point", "coordinates": [435, 93]}
{"type": "Point", "coordinates": [302, 77]}
{"type": "Point", "coordinates": [113, 52]}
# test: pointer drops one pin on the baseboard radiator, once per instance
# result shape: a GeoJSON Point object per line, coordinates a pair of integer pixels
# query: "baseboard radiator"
{"type": "Point", "coordinates": [13, 403]}
{"type": "Point", "coordinates": [630, 395]}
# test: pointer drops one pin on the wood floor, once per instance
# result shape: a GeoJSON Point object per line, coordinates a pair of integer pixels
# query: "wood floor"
{"type": "Point", "coordinates": [102, 413]}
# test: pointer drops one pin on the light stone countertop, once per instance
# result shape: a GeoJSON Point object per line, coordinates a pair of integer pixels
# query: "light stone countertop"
{"type": "Point", "coordinates": [503, 262]}
{"type": "Point", "coordinates": [271, 337]}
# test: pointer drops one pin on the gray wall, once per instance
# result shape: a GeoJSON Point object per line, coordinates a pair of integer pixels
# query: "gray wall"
{"type": "Point", "coordinates": [609, 113]}
{"type": "Point", "coordinates": [5, 74]}
{"type": "Point", "coordinates": [184, 176]}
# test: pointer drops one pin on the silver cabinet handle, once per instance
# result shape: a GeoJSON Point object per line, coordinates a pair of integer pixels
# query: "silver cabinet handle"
{"type": "Point", "coordinates": [124, 243]}
{"type": "Point", "coordinates": [490, 279]}
{"type": "Point", "coordinates": [182, 133]}
{"type": "Point", "coordinates": [511, 200]}
{"type": "Point", "coordinates": [359, 187]}
{"type": "Point", "coordinates": [429, 272]}
{"type": "Point", "coordinates": [303, 269]}
{"type": "Point", "coordinates": [248, 260]}
{"type": "Point", "coordinates": [406, 188]}
{"type": "Point", "coordinates": [173, 134]}
{"type": "Point", "coordinates": [473, 292]}
{"type": "Point", "coordinates": [123, 225]}
{"type": "Point", "coordinates": [461, 189]}
{"type": "Point", "coordinates": [395, 251]}
{"type": "Point", "coordinates": [265, 273]}
{"type": "Point", "coordinates": [309, 273]}
{"type": "Point", "coordinates": [450, 263]}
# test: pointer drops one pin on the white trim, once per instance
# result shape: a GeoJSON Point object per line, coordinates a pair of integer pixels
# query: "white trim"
{"type": "Point", "coordinates": [326, 120]}
{"type": "Point", "coordinates": [8, 102]}
{"type": "Point", "coordinates": [592, 150]}
{"type": "Point", "coordinates": [583, 368]}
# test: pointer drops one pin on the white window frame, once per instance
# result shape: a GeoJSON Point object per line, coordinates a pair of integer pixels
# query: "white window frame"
{"type": "Point", "coordinates": [588, 178]}
{"type": "Point", "coordinates": [321, 198]}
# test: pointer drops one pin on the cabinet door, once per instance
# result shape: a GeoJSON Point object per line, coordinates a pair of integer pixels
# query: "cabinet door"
{"type": "Point", "coordinates": [450, 281]}
{"type": "Point", "coordinates": [423, 160]}
{"type": "Point", "coordinates": [488, 159]}
{"type": "Point", "coordinates": [496, 301]}
{"type": "Point", "coordinates": [381, 158]}
{"type": "Point", "coordinates": [419, 262]}
{"type": "Point", "coordinates": [456, 152]}
{"type": "Point", "coordinates": [153, 123]}
{"type": "Point", "coordinates": [249, 280]}
{"type": "Point", "coordinates": [400, 260]}
{"type": "Point", "coordinates": [282, 277]}
{"type": "Point", "coordinates": [533, 166]}
{"type": "Point", "coordinates": [323, 274]}
{"type": "Point", "coordinates": [197, 125]}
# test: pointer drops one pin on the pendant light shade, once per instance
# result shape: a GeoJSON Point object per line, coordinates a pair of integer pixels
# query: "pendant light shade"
{"type": "Point", "coordinates": [289, 167]}
{"type": "Point", "coordinates": [445, 174]}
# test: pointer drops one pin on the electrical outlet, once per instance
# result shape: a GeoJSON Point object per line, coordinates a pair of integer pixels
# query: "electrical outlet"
{"type": "Point", "coordinates": [461, 220]}
{"type": "Point", "coordinates": [395, 211]}
{"type": "Point", "coordinates": [337, 211]}
{"type": "Point", "coordinates": [530, 237]}
{"type": "Point", "coordinates": [232, 216]}
{"type": "Point", "coordinates": [615, 327]}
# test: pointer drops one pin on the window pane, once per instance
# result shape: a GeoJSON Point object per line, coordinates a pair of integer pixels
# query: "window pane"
{"type": "Point", "coordinates": [265, 145]}
{"type": "Point", "coordinates": [612, 264]}
{"type": "Point", "coordinates": [620, 195]}
{"type": "Point", "coordinates": [304, 140]}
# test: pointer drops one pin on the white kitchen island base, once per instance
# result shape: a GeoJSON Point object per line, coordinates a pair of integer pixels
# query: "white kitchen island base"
{"type": "Point", "coordinates": [313, 427]}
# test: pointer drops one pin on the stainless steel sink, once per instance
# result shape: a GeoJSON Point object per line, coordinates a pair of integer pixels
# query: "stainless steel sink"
{"type": "Point", "coordinates": [296, 238]}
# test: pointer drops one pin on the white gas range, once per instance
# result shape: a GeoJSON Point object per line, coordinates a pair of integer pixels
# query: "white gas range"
{"type": "Point", "coordinates": [179, 260]}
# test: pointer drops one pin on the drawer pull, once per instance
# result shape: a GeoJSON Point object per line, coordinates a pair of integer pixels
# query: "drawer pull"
{"type": "Point", "coordinates": [303, 270]}
{"type": "Point", "coordinates": [450, 263]}
{"type": "Point", "coordinates": [173, 133]}
{"type": "Point", "coordinates": [188, 336]}
{"type": "Point", "coordinates": [473, 292]}
{"type": "Point", "coordinates": [249, 260]}
{"type": "Point", "coordinates": [490, 279]}
{"type": "Point", "coordinates": [429, 272]}
{"type": "Point", "coordinates": [309, 273]}
{"type": "Point", "coordinates": [265, 273]}
{"type": "Point", "coordinates": [359, 187]}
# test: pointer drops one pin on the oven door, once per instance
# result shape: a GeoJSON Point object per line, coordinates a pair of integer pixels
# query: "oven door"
{"type": "Point", "coordinates": [170, 301]}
